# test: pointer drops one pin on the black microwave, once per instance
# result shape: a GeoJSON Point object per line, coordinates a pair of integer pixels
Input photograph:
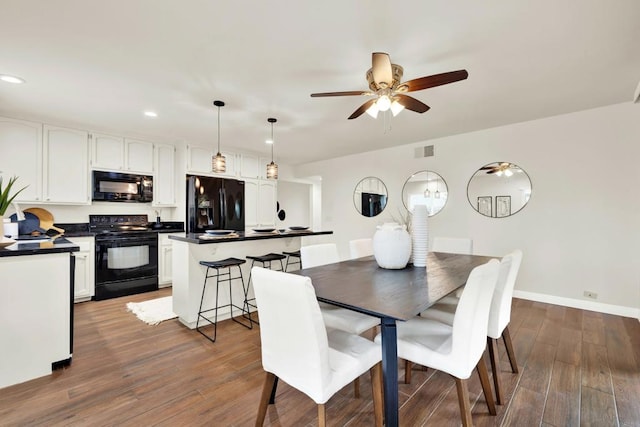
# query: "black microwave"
{"type": "Point", "coordinates": [122, 187]}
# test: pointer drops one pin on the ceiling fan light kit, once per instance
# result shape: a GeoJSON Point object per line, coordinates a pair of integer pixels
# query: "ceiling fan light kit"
{"type": "Point", "coordinates": [385, 86]}
{"type": "Point", "coordinates": [219, 162]}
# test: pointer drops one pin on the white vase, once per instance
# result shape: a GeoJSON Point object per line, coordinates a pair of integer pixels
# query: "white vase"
{"type": "Point", "coordinates": [392, 246]}
{"type": "Point", "coordinates": [419, 236]}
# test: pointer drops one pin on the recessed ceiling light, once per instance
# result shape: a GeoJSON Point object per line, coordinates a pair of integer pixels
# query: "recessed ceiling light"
{"type": "Point", "coordinates": [11, 79]}
{"type": "Point", "coordinates": [151, 114]}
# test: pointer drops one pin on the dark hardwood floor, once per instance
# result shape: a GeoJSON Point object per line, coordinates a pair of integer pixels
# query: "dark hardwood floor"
{"type": "Point", "coordinates": [576, 368]}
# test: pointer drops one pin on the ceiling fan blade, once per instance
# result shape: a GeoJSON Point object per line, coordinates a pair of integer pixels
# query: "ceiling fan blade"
{"type": "Point", "coordinates": [349, 93]}
{"type": "Point", "coordinates": [435, 80]}
{"type": "Point", "coordinates": [381, 69]}
{"type": "Point", "coordinates": [364, 107]}
{"type": "Point", "coordinates": [412, 104]}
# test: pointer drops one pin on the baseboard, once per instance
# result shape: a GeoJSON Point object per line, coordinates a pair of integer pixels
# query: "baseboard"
{"type": "Point", "coordinates": [583, 305]}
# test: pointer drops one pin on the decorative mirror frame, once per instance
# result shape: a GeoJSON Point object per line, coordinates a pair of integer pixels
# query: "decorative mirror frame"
{"type": "Point", "coordinates": [378, 200]}
{"type": "Point", "coordinates": [433, 208]}
{"type": "Point", "coordinates": [502, 200]}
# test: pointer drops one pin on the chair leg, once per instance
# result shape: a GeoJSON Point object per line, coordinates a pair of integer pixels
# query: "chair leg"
{"type": "Point", "coordinates": [486, 385]}
{"type": "Point", "coordinates": [264, 398]}
{"type": "Point", "coordinates": [322, 416]}
{"type": "Point", "coordinates": [376, 391]}
{"type": "Point", "coordinates": [506, 336]}
{"type": "Point", "coordinates": [463, 402]}
{"type": "Point", "coordinates": [492, 345]}
{"type": "Point", "coordinates": [407, 372]}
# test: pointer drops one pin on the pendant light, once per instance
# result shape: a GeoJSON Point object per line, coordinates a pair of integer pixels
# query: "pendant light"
{"type": "Point", "coordinates": [272, 168]}
{"type": "Point", "coordinates": [219, 162]}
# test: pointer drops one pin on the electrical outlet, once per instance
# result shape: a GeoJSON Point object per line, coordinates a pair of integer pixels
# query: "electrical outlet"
{"type": "Point", "coordinates": [590, 294]}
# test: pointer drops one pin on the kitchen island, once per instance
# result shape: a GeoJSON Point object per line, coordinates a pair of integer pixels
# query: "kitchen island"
{"type": "Point", "coordinates": [188, 274]}
{"type": "Point", "coordinates": [36, 313]}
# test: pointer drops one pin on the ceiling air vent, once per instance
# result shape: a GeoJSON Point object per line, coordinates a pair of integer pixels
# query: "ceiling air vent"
{"type": "Point", "coordinates": [426, 151]}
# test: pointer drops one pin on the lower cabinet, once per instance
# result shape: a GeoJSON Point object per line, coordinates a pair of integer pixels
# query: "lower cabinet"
{"type": "Point", "coordinates": [165, 256]}
{"type": "Point", "coordinates": [85, 269]}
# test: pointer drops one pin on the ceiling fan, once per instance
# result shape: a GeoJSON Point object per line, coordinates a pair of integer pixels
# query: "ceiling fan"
{"type": "Point", "coordinates": [387, 90]}
{"type": "Point", "coordinates": [501, 168]}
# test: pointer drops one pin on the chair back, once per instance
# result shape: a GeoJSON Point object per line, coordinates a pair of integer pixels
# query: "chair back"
{"type": "Point", "coordinates": [469, 337]}
{"type": "Point", "coordinates": [360, 248]}
{"type": "Point", "coordinates": [293, 336]}
{"type": "Point", "coordinates": [452, 245]}
{"type": "Point", "coordinates": [500, 313]}
{"type": "Point", "coordinates": [320, 254]}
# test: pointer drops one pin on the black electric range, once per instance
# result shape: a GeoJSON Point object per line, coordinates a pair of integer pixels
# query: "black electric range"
{"type": "Point", "coordinates": [126, 255]}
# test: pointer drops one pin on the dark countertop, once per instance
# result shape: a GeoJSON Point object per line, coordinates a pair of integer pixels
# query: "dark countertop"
{"type": "Point", "coordinates": [242, 236]}
{"type": "Point", "coordinates": [82, 229]}
{"type": "Point", "coordinates": [26, 247]}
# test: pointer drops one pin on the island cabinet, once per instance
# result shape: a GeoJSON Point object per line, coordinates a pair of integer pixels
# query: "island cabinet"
{"type": "Point", "coordinates": [36, 298]}
{"type": "Point", "coordinates": [188, 274]}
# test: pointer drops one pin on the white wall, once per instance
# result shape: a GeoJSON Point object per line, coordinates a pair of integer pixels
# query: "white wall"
{"type": "Point", "coordinates": [580, 230]}
{"type": "Point", "coordinates": [295, 199]}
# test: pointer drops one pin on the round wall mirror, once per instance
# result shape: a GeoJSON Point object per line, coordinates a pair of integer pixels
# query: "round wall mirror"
{"type": "Point", "coordinates": [425, 188]}
{"type": "Point", "coordinates": [370, 196]}
{"type": "Point", "coordinates": [499, 189]}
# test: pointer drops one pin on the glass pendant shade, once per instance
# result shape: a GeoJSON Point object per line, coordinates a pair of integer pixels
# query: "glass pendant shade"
{"type": "Point", "coordinates": [383, 103]}
{"type": "Point", "coordinates": [272, 170]}
{"type": "Point", "coordinates": [219, 163]}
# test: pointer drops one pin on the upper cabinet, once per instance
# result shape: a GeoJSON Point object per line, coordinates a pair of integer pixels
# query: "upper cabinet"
{"type": "Point", "coordinates": [249, 166]}
{"type": "Point", "coordinates": [199, 161]}
{"type": "Point", "coordinates": [21, 156]}
{"type": "Point", "coordinates": [164, 193]}
{"type": "Point", "coordinates": [138, 156]}
{"type": "Point", "coordinates": [108, 151]}
{"type": "Point", "coordinates": [61, 183]}
{"type": "Point", "coordinates": [42, 164]}
{"type": "Point", "coordinates": [121, 154]}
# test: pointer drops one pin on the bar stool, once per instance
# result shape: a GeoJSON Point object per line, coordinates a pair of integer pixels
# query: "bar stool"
{"type": "Point", "coordinates": [221, 277]}
{"type": "Point", "coordinates": [266, 261]}
{"type": "Point", "coordinates": [290, 254]}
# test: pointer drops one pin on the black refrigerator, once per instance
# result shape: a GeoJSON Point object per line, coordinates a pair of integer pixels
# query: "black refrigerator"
{"type": "Point", "coordinates": [214, 204]}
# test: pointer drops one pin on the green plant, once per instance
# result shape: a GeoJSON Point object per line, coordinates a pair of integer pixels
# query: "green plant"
{"type": "Point", "coordinates": [5, 194]}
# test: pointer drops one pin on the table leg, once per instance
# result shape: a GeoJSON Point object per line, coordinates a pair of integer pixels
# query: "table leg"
{"type": "Point", "coordinates": [390, 370]}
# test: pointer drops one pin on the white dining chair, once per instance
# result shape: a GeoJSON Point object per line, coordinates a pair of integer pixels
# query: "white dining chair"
{"type": "Point", "coordinates": [499, 316]}
{"type": "Point", "coordinates": [299, 350]}
{"type": "Point", "coordinates": [458, 348]}
{"type": "Point", "coordinates": [334, 316]}
{"type": "Point", "coordinates": [359, 248]}
{"type": "Point", "coordinates": [452, 245]}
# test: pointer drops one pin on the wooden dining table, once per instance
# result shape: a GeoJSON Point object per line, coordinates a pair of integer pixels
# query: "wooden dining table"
{"type": "Point", "coordinates": [391, 295]}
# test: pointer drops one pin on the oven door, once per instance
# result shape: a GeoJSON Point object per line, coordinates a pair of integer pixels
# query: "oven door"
{"type": "Point", "coordinates": [129, 258]}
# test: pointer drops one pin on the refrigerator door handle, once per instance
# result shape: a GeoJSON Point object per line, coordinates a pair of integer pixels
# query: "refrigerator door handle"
{"type": "Point", "coordinates": [223, 208]}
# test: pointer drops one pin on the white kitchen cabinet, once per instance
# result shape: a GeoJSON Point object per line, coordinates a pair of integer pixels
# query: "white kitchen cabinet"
{"type": "Point", "coordinates": [138, 156]}
{"type": "Point", "coordinates": [21, 156]}
{"type": "Point", "coordinates": [250, 203]}
{"type": "Point", "coordinates": [264, 161]}
{"type": "Point", "coordinates": [165, 259]}
{"type": "Point", "coordinates": [259, 202]}
{"type": "Point", "coordinates": [84, 288]}
{"type": "Point", "coordinates": [199, 161]}
{"type": "Point", "coordinates": [249, 166]}
{"type": "Point", "coordinates": [64, 184]}
{"type": "Point", "coordinates": [164, 189]}
{"type": "Point", "coordinates": [121, 154]}
{"type": "Point", "coordinates": [266, 203]}
{"type": "Point", "coordinates": [108, 151]}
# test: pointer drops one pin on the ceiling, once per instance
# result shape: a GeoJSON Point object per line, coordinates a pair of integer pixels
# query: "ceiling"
{"type": "Point", "coordinates": [98, 65]}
